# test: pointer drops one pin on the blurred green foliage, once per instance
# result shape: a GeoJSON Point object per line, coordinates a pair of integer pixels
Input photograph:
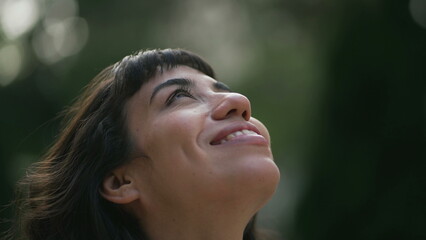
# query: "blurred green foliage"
{"type": "Point", "coordinates": [341, 86]}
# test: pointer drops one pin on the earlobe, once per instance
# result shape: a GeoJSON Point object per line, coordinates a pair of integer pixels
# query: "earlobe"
{"type": "Point", "coordinates": [118, 189]}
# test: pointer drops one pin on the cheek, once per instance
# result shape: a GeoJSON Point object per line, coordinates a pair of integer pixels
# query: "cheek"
{"type": "Point", "coordinates": [178, 162]}
{"type": "Point", "coordinates": [262, 128]}
{"type": "Point", "coordinates": [176, 125]}
{"type": "Point", "coordinates": [174, 134]}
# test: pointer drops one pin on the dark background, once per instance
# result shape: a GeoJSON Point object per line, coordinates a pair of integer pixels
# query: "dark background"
{"type": "Point", "coordinates": [341, 86]}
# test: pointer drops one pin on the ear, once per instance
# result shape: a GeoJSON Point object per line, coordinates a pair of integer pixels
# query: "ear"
{"type": "Point", "coordinates": [119, 188]}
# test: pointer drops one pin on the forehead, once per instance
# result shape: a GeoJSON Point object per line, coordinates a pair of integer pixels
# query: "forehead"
{"type": "Point", "coordinates": [180, 72]}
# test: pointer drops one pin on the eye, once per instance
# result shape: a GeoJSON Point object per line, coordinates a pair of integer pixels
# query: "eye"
{"type": "Point", "coordinates": [178, 93]}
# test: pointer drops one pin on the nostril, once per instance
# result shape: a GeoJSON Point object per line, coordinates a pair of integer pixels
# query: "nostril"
{"type": "Point", "coordinates": [232, 112]}
{"type": "Point", "coordinates": [235, 112]}
{"type": "Point", "coordinates": [245, 114]}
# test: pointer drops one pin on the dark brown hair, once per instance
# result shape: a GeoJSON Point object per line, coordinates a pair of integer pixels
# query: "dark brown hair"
{"type": "Point", "coordinates": [59, 197]}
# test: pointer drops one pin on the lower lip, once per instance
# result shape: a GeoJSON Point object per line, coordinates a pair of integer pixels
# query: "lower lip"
{"type": "Point", "coordinates": [246, 140]}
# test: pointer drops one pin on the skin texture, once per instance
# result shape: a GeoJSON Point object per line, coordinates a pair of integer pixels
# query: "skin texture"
{"type": "Point", "coordinates": [180, 183]}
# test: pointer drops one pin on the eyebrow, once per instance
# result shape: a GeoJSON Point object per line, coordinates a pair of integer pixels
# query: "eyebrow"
{"type": "Point", "coordinates": [184, 82]}
{"type": "Point", "coordinates": [221, 86]}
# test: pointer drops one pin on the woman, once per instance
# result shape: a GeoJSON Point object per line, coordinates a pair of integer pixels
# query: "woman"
{"type": "Point", "coordinates": [155, 148]}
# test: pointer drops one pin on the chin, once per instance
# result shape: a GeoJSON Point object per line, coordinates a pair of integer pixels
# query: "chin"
{"type": "Point", "coordinates": [259, 181]}
{"type": "Point", "coordinates": [266, 183]}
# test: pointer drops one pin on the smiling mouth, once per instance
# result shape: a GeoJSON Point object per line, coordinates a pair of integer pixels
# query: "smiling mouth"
{"type": "Point", "coordinates": [235, 134]}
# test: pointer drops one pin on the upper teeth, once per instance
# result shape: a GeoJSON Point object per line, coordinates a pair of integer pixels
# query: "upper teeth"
{"type": "Point", "coordinates": [238, 133]}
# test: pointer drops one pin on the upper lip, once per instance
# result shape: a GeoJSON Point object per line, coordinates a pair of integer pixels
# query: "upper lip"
{"type": "Point", "coordinates": [234, 128]}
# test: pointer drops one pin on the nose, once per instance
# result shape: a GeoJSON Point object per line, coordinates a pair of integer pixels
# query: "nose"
{"type": "Point", "coordinates": [232, 105]}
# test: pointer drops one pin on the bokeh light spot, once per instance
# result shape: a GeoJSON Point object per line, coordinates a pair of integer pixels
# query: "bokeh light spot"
{"type": "Point", "coordinates": [418, 12]}
{"type": "Point", "coordinates": [61, 39]}
{"type": "Point", "coordinates": [18, 17]}
{"type": "Point", "coordinates": [59, 10]}
{"type": "Point", "coordinates": [10, 63]}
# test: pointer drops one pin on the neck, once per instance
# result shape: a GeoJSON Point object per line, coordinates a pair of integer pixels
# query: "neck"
{"type": "Point", "coordinates": [195, 224]}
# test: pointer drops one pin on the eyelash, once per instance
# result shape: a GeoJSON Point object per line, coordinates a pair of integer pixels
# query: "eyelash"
{"type": "Point", "coordinates": [185, 90]}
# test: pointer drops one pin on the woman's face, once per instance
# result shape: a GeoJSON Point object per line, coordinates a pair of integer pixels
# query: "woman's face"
{"type": "Point", "coordinates": [199, 143]}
